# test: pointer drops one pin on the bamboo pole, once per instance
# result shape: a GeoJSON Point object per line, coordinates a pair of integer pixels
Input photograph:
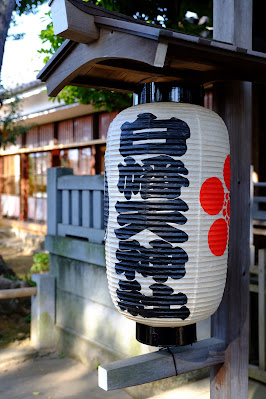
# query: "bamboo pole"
{"type": "Point", "coordinates": [18, 292]}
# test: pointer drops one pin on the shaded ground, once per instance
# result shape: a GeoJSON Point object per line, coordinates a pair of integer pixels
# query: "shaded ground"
{"type": "Point", "coordinates": [14, 326]}
{"type": "Point", "coordinates": [27, 373]}
{"type": "Point", "coordinates": [18, 260]}
{"type": "Point", "coordinates": [50, 376]}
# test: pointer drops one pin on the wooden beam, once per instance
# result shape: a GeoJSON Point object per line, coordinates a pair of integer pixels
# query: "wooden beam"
{"type": "Point", "coordinates": [232, 101]}
{"type": "Point", "coordinates": [53, 147]}
{"type": "Point", "coordinates": [158, 365]}
{"type": "Point", "coordinates": [72, 23]}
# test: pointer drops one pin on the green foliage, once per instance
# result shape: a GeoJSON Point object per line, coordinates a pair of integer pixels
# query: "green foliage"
{"type": "Point", "coordinates": [28, 6]}
{"type": "Point", "coordinates": [168, 13]}
{"type": "Point", "coordinates": [12, 278]}
{"type": "Point", "coordinates": [27, 318]}
{"type": "Point", "coordinates": [26, 278]}
{"type": "Point", "coordinates": [47, 36]}
{"type": "Point", "coordinates": [109, 100]}
{"type": "Point", "coordinates": [41, 263]}
{"type": "Point", "coordinates": [9, 126]}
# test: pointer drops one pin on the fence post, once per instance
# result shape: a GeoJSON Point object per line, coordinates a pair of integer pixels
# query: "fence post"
{"type": "Point", "coordinates": [252, 246]}
{"type": "Point", "coordinates": [54, 198]}
{"type": "Point", "coordinates": [43, 311]}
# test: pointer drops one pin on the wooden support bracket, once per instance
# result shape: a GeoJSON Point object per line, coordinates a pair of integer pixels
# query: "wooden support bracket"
{"type": "Point", "coordinates": [161, 364]}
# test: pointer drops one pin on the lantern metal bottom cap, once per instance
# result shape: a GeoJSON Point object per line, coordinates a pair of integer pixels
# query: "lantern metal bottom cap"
{"type": "Point", "coordinates": [166, 336]}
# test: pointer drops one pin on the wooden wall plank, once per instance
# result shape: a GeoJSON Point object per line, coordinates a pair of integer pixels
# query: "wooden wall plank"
{"type": "Point", "coordinates": [46, 134]}
{"type": "Point", "coordinates": [83, 129]}
{"type": "Point", "coordinates": [65, 132]}
{"type": "Point", "coordinates": [104, 122]}
{"type": "Point", "coordinates": [32, 137]}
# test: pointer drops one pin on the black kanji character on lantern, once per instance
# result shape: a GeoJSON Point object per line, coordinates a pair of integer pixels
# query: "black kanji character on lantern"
{"type": "Point", "coordinates": [130, 176]}
{"type": "Point", "coordinates": [149, 135]}
{"type": "Point", "coordinates": [158, 305]}
{"type": "Point", "coordinates": [130, 297]}
{"type": "Point", "coordinates": [136, 216]}
{"type": "Point", "coordinates": [160, 261]}
{"type": "Point", "coordinates": [158, 177]}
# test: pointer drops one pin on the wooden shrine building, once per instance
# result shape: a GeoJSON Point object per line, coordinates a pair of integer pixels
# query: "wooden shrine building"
{"type": "Point", "coordinates": [59, 135]}
{"type": "Point", "coordinates": [108, 50]}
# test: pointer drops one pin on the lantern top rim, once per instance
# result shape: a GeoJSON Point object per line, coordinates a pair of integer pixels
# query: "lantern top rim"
{"type": "Point", "coordinates": [112, 51]}
{"type": "Point", "coordinates": [178, 92]}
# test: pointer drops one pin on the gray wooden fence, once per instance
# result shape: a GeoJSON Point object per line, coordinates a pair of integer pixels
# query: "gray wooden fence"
{"type": "Point", "coordinates": [76, 209]}
{"type": "Point", "coordinates": [259, 207]}
{"type": "Point", "coordinates": [75, 205]}
{"type": "Point", "coordinates": [259, 372]}
{"type": "Point", "coordinates": [258, 274]}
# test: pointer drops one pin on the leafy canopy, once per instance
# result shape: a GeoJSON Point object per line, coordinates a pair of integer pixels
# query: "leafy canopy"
{"type": "Point", "coordinates": [28, 6]}
{"type": "Point", "coordinates": [9, 107]}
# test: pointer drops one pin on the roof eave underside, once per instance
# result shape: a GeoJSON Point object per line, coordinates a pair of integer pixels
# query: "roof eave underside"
{"type": "Point", "coordinates": [125, 52]}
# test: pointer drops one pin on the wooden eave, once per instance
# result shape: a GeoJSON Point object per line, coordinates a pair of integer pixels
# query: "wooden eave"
{"type": "Point", "coordinates": [119, 52]}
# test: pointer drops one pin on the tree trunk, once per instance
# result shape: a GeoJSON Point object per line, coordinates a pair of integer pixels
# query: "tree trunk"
{"type": "Point", "coordinates": [6, 8]}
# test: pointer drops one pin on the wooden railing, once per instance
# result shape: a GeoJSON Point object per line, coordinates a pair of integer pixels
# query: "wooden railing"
{"type": "Point", "coordinates": [75, 205]}
{"type": "Point", "coordinates": [258, 209]}
{"type": "Point", "coordinates": [259, 271]}
{"type": "Point", "coordinates": [76, 209]}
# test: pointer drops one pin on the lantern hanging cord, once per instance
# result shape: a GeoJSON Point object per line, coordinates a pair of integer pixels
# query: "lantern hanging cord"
{"type": "Point", "coordinates": [173, 356]}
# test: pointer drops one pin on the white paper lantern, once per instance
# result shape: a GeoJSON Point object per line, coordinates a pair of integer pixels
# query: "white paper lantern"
{"type": "Point", "coordinates": [167, 190]}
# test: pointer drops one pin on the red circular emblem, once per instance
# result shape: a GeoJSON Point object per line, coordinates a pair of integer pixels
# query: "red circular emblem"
{"type": "Point", "coordinates": [214, 198]}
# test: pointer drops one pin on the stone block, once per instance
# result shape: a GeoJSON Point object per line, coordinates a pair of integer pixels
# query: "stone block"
{"type": "Point", "coordinates": [43, 311]}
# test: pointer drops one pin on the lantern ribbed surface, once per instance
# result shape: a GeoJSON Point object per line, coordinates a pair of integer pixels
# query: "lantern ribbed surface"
{"type": "Point", "coordinates": [167, 212]}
